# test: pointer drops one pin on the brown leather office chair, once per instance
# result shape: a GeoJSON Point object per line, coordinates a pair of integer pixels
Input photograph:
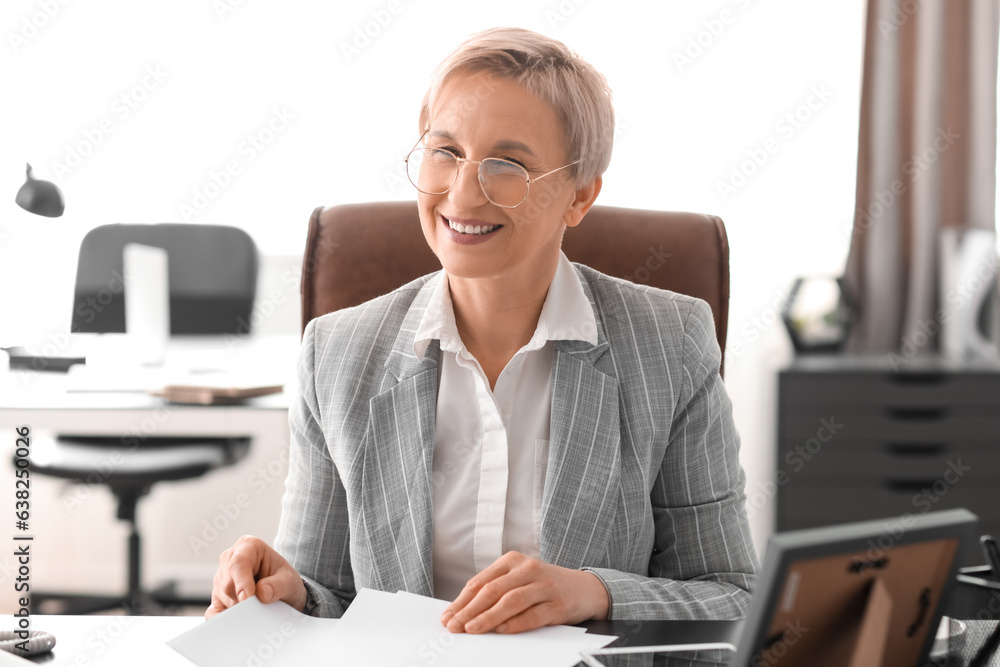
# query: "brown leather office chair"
{"type": "Point", "coordinates": [356, 252]}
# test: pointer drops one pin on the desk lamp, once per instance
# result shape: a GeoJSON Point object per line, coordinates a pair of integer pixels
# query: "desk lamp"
{"type": "Point", "coordinates": [40, 197]}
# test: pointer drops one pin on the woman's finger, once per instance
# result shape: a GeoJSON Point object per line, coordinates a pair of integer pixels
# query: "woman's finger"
{"type": "Point", "coordinates": [245, 562]}
{"type": "Point", "coordinates": [533, 617]}
{"type": "Point", "coordinates": [487, 592]}
{"type": "Point", "coordinates": [515, 602]}
{"type": "Point", "coordinates": [498, 568]}
{"type": "Point", "coordinates": [285, 585]}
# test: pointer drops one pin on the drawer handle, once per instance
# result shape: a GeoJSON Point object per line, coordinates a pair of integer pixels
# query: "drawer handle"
{"type": "Point", "coordinates": [916, 448]}
{"type": "Point", "coordinates": [922, 414]}
{"type": "Point", "coordinates": [917, 378]}
{"type": "Point", "coordinates": [909, 485]}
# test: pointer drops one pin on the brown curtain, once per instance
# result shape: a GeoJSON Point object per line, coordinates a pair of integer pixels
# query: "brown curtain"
{"type": "Point", "coordinates": [926, 159]}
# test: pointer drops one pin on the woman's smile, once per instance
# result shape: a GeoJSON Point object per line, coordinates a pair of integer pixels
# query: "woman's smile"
{"type": "Point", "coordinates": [469, 231]}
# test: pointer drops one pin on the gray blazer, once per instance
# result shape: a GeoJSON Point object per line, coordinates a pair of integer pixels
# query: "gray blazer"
{"type": "Point", "coordinates": [643, 487]}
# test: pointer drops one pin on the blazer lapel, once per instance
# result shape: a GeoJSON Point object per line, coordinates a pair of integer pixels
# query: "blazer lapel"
{"type": "Point", "coordinates": [397, 510]}
{"type": "Point", "coordinates": [582, 480]}
{"type": "Point", "coordinates": [584, 466]}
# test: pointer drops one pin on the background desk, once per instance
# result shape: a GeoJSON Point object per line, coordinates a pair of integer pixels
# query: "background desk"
{"type": "Point", "coordinates": [79, 546]}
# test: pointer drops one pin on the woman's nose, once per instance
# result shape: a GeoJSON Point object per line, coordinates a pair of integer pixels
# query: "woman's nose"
{"type": "Point", "coordinates": [467, 192]}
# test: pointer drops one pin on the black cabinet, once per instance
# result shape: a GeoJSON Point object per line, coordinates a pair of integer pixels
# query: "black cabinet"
{"type": "Point", "coordinates": [861, 439]}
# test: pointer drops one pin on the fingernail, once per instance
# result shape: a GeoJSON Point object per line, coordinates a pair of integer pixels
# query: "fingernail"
{"type": "Point", "coordinates": [502, 628]}
{"type": "Point", "coordinates": [265, 592]}
{"type": "Point", "coordinates": [455, 625]}
{"type": "Point", "coordinates": [241, 596]}
{"type": "Point", "coordinates": [472, 626]}
{"type": "Point", "coordinates": [446, 616]}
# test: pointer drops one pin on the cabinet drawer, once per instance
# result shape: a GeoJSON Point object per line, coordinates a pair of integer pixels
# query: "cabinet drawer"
{"type": "Point", "coordinates": [918, 446]}
{"type": "Point", "coordinates": [827, 505]}
{"type": "Point", "coordinates": [892, 424]}
{"type": "Point", "coordinates": [905, 389]}
{"type": "Point", "coordinates": [878, 461]}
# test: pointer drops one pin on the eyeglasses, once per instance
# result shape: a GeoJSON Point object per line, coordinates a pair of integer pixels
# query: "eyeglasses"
{"type": "Point", "coordinates": [434, 171]}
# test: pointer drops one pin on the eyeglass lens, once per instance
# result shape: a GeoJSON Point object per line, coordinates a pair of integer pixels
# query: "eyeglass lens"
{"type": "Point", "coordinates": [435, 171]}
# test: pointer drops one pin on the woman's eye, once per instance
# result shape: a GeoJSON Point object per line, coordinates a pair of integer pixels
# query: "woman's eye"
{"type": "Point", "coordinates": [447, 149]}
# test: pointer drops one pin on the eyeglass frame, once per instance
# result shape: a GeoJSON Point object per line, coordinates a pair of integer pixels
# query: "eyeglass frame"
{"type": "Point", "coordinates": [479, 176]}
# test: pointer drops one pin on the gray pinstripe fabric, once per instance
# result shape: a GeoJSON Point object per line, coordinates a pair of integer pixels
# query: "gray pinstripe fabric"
{"type": "Point", "coordinates": [644, 486]}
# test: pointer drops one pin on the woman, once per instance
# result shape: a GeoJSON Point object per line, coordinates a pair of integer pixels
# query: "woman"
{"type": "Point", "coordinates": [531, 439]}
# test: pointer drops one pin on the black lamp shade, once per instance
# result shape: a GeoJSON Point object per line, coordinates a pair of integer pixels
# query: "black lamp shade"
{"type": "Point", "coordinates": [40, 197]}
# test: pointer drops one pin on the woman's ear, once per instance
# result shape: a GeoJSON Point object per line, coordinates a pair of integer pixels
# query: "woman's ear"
{"type": "Point", "coordinates": [582, 202]}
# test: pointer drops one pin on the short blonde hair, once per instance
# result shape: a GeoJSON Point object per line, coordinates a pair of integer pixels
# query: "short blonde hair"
{"type": "Point", "coordinates": [546, 68]}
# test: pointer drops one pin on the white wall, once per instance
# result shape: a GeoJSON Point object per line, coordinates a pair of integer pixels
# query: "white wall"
{"type": "Point", "coordinates": [161, 96]}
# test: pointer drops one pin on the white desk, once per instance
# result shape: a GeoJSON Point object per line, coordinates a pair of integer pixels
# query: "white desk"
{"type": "Point", "coordinates": [113, 641]}
{"type": "Point", "coordinates": [47, 401]}
{"type": "Point", "coordinates": [79, 545]}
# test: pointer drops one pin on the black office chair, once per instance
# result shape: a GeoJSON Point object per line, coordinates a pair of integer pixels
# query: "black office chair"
{"type": "Point", "coordinates": [212, 283]}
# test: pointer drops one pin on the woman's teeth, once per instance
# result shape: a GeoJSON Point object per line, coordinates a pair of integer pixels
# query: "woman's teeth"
{"type": "Point", "coordinates": [470, 229]}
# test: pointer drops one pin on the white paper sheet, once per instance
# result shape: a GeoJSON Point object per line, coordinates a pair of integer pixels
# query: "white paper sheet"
{"type": "Point", "coordinates": [255, 634]}
{"type": "Point", "coordinates": [545, 647]}
{"type": "Point", "coordinates": [389, 630]}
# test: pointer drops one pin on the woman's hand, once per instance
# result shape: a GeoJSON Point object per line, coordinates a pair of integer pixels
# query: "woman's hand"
{"type": "Point", "coordinates": [252, 567]}
{"type": "Point", "coordinates": [517, 593]}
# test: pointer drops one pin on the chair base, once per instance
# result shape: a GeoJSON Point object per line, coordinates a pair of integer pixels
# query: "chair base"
{"type": "Point", "coordinates": [128, 489]}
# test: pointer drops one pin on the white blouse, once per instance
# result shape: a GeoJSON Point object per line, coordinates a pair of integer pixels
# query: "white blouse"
{"type": "Point", "coordinates": [491, 447]}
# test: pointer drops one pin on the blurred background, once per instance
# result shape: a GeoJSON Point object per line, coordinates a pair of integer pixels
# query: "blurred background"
{"type": "Point", "coordinates": [251, 113]}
